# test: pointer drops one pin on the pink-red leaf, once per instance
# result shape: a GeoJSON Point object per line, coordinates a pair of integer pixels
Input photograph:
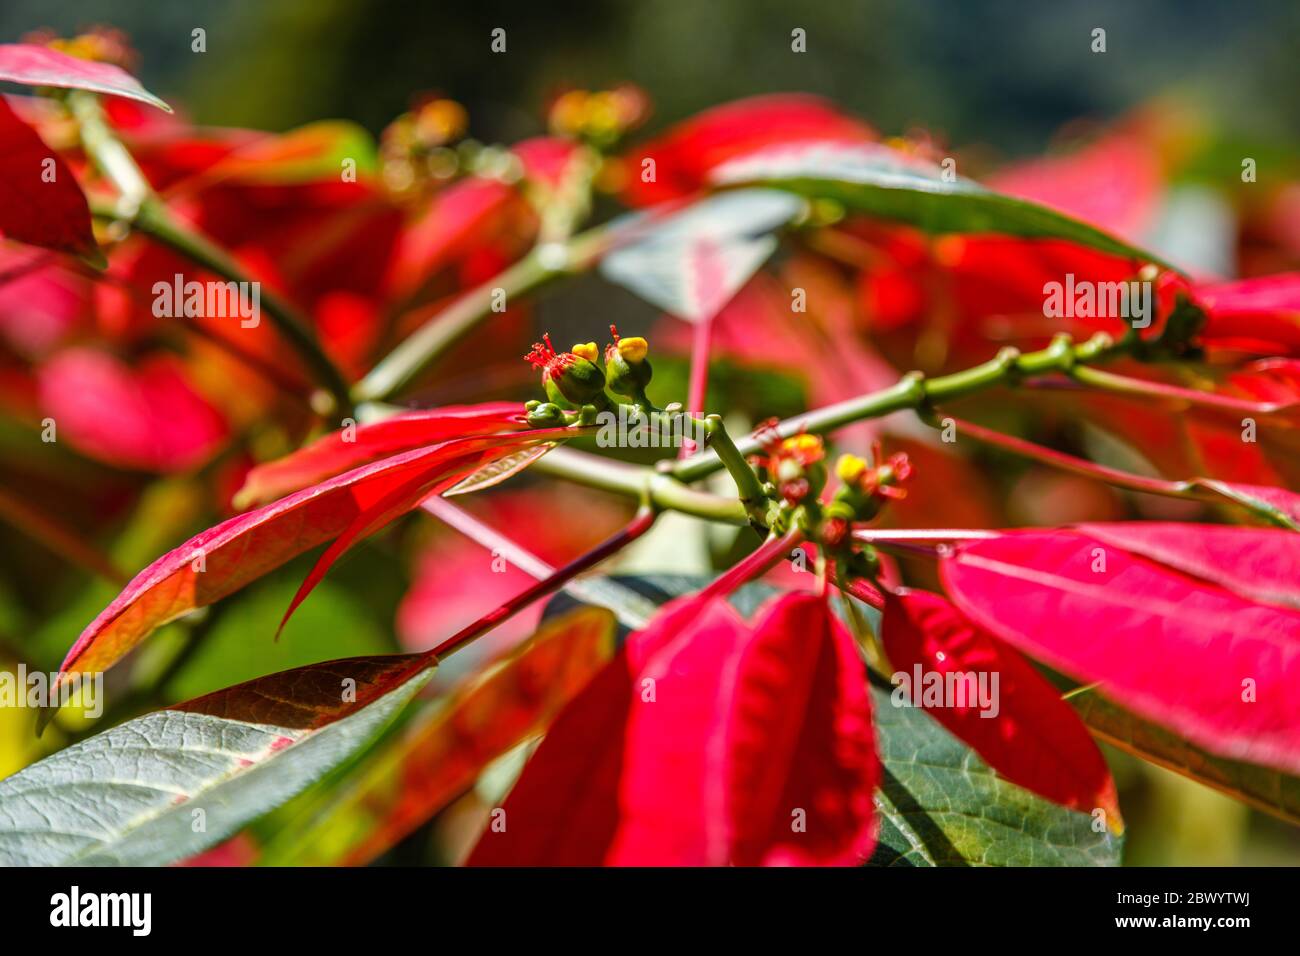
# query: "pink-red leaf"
{"type": "Point", "coordinates": [1181, 651]}
{"type": "Point", "coordinates": [1258, 563]}
{"type": "Point", "coordinates": [223, 559]}
{"type": "Point", "coordinates": [35, 65]}
{"type": "Point", "coordinates": [707, 741]}
{"type": "Point", "coordinates": [40, 201]}
{"type": "Point", "coordinates": [1033, 737]}
{"type": "Point", "coordinates": [349, 448]}
{"type": "Point", "coordinates": [147, 417]}
{"type": "Point", "coordinates": [1261, 312]}
{"type": "Point", "coordinates": [685, 155]}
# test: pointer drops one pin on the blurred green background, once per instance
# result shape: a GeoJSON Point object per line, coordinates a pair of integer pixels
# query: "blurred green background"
{"type": "Point", "coordinates": [1007, 75]}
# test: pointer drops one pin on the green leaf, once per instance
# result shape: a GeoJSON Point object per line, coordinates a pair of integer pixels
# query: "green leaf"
{"type": "Point", "coordinates": [941, 805]}
{"type": "Point", "coordinates": [874, 179]}
{"type": "Point", "coordinates": [692, 262]}
{"type": "Point", "coordinates": [132, 795]}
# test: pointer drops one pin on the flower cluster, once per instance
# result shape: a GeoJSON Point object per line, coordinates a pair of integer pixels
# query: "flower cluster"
{"type": "Point", "coordinates": [574, 380]}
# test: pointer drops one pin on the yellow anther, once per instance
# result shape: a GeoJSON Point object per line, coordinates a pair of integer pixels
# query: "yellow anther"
{"type": "Point", "coordinates": [802, 444]}
{"type": "Point", "coordinates": [850, 468]}
{"type": "Point", "coordinates": [633, 348]}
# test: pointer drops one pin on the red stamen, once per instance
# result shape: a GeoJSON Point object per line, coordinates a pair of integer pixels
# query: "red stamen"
{"type": "Point", "coordinates": [543, 353]}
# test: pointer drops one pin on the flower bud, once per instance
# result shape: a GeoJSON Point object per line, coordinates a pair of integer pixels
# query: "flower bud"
{"type": "Point", "coordinates": [625, 364]}
{"type": "Point", "coordinates": [568, 377]}
{"type": "Point", "coordinates": [866, 487]}
{"type": "Point", "coordinates": [544, 415]}
{"type": "Point", "coordinates": [794, 464]}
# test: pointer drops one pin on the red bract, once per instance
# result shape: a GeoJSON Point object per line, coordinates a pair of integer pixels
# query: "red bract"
{"type": "Point", "coordinates": [36, 65]}
{"type": "Point", "coordinates": [1222, 441]}
{"type": "Point", "coordinates": [1184, 651]}
{"type": "Point", "coordinates": [459, 219]}
{"type": "Point", "coordinates": [40, 201]}
{"type": "Point", "coordinates": [41, 302]}
{"type": "Point", "coordinates": [223, 559]}
{"type": "Point", "coordinates": [1114, 183]}
{"type": "Point", "coordinates": [992, 287]}
{"type": "Point", "coordinates": [1034, 738]}
{"type": "Point", "coordinates": [147, 417]}
{"type": "Point", "coordinates": [349, 448]}
{"type": "Point", "coordinates": [1259, 564]}
{"type": "Point", "coordinates": [684, 156]}
{"type": "Point", "coordinates": [707, 741]}
{"type": "Point", "coordinates": [1259, 315]}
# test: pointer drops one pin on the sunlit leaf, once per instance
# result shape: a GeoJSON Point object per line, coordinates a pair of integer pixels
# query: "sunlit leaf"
{"type": "Point", "coordinates": [35, 65]}
{"type": "Point", "coordinates": [165, 786]}
{"type": "Point", "coordinates": [880, 181]}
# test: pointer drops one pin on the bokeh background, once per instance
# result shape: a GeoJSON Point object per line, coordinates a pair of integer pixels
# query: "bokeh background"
{"type": "Point", "coordinates": [1005, 73]}
{"type": "Point", "coordinates": [998, 79]}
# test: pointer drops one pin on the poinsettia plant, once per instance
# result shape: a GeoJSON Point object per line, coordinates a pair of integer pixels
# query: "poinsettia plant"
{"type": "Point", "coordinates": [1022, 484]}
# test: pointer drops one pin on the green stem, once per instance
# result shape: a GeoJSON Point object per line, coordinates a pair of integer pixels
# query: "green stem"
{"type": "Point", "coordinates": [915, 391]}
{"type": "Point", "coordinates": [139, 206]}
{"type": "Point", "coordinates": [747, 483]}
{"type": "Point", "coordinates": [662, 491]}
{"type": "Point", "coordinates": [542, 265]}
{"type": "Point", "coordinates": [156, 220]}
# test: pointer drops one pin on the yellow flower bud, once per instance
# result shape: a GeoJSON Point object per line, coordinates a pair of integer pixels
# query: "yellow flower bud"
{"type": "Point", "coordinates": [633, 348]}
{"type": "Point", "coordinates": [804, 447]}
{"type": "Point", "coordinates": [586, 350]}
{"type": "Point", "coordinates": [850, 468]}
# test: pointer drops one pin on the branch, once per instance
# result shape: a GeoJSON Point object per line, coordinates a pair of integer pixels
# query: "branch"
{"type": "Point", "coordinates": [662, 491]}
{"type": "Point", "coordinates": [141, 208]}
{"type": "Point", "coordinates": [915, 391]}
{"type": "Point", "coordinates": [419, 350]}
{"type": "Point", "coordinates": [1191, 489]}
{"type": "Point", "coordinates": [640, 525]}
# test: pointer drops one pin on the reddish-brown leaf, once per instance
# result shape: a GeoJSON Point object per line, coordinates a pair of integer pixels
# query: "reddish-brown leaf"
{"type": "Point", "coordinates": [441, 753]}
